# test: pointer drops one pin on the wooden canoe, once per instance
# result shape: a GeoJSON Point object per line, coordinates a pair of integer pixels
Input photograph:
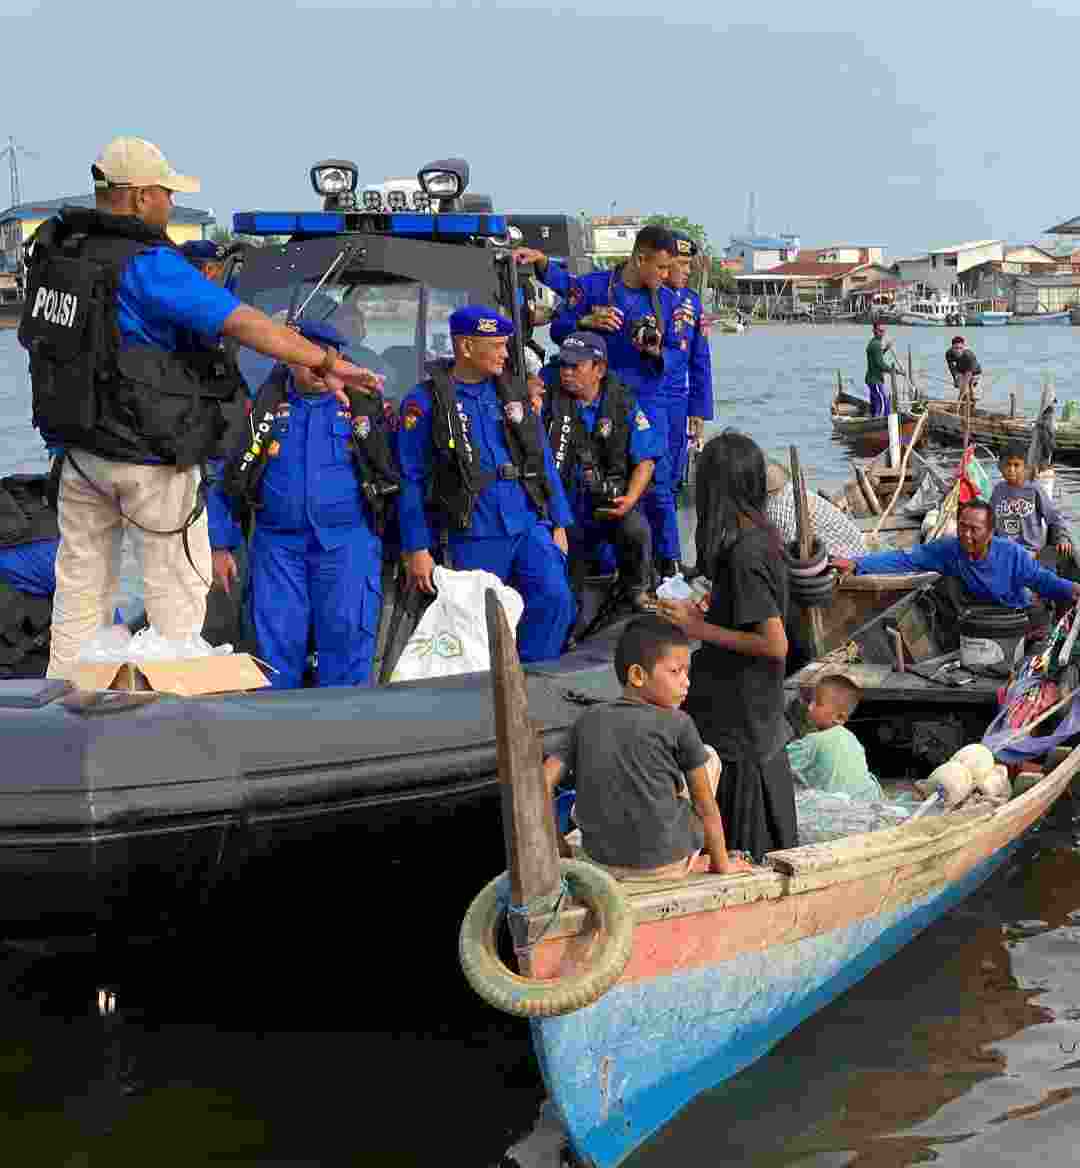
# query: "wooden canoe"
{"type": "Point", "coordinates": [870, 435]}
{"type": "Point", "coordinates": [997, 429]}
{"type": "Point", "coordinates": [698, 978]}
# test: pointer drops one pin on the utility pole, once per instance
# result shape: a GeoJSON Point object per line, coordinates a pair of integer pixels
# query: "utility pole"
{"type": "Point", "coordinates": [12, 151]}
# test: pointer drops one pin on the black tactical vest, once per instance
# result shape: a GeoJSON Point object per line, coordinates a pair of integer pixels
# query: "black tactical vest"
{"type": "Point", "coordinates": [25, 517]}
{"type": "Point", "coordinates": [249, 444]}
{"type": "Point", "coordinates": [457, 478]}
{"type": "Point", "coordinates": [603, 454]}
{"type": "Point", "coordinates": [124, 404]}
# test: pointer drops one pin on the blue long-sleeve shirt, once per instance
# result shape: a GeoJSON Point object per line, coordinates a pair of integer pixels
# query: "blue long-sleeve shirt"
{"type": "Point", "coordinates": [1001, 577]}
{"type": "Point", "coordinates": [502, 507]}
{"type": "Point", "coordinates": [642, 374]}
{"type": "Point", "coordinates": [687, 358]}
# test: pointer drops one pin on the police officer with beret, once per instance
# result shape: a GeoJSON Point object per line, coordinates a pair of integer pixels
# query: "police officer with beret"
{"type": "Point", "coordinates": [605, 449]}
{"type": "Point", "coordinates": [206, 256]}
{"type": "Point", "coordinates": [470, 444]}
{"type": "Point", "coordinates": [686, 396]}
{"type": "Point", "coordinates": [634, 309]}
{"type": "Point", "coordinates": [316, 553]}
{"type": "Point", "coordinates": [112, 314]}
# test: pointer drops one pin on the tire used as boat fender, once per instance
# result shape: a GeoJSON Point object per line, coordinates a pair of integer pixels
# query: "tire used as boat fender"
{"type": "Point", "coordinates": [812, 566]}
{"type": "Point", "coordinates": [533, 997]}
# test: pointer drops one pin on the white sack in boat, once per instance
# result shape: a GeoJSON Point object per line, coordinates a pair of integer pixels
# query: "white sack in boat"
{"type": "Point", "coordinates": [451, 637]}
{"type": "Point", "coordinates": [976, 757]}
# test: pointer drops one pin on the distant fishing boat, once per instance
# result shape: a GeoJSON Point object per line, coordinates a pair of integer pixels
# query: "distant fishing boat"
{"type": "Point", "coordinates": [1064, 317]}
{"type": "Point", "coordinates": [997, 429]}
{"type": "Point", "coordinates": [940, 310]}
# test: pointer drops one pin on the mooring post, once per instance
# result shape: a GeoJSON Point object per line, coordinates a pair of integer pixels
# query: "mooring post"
{"type": "Point", "coordinates": [532, 854]}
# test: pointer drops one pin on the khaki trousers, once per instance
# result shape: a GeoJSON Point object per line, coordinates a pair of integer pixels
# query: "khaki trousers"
{"type": "Point", "coordinates": [88, 559]}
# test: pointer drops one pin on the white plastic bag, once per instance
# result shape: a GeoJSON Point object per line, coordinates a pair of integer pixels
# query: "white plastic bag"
{"type": "Point", "coordinates": [451, 637]}
{"type": "Point", "coordinates": [675, 588]}
{"type": "Point", "coordinates": [109, 644]}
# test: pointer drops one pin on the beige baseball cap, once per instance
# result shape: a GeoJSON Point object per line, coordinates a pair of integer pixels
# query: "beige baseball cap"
{"type": "Point", "coordinates": [134, 162]}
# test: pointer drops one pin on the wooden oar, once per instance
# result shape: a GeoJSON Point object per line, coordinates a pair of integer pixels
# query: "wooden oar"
{"type": "Point", "coordinates": [903, 472]}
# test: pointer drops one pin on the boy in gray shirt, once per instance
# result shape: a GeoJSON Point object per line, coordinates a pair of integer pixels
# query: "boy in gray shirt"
{"type": "Point", "coordinates": [646, 784]}
{"type": "Point", "coordinates": [1021, 508]}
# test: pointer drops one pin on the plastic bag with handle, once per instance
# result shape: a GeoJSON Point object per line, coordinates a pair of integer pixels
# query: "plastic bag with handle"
{"type": "Point", "coordinates": [451, 637]}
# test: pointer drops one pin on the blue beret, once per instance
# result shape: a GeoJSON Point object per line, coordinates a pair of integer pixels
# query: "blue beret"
{"type": "Point", "coordinates": [475, 320]}
{"type": "Point", "coordinates": [322, 332]}
{"type": "Point", "coordinates": [686, 244]}
{"type": "Point", "coordinates": [201, 251]}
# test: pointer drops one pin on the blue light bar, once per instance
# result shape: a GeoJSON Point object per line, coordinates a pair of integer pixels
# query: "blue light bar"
{"type": "Point", "coordinates": [288, 222]}
{"type": "Point", "coordinates": [446, 225]}
{"type": "Point", "coordinates": [409, 225]}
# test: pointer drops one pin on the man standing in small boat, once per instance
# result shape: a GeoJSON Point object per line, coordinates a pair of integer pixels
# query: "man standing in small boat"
{"type": "Point", "coordinates": [964, 369]}
{"type": "Point", "coordinates": [470, 446]}
{"type": "Point", "coordinates": [878, 369]}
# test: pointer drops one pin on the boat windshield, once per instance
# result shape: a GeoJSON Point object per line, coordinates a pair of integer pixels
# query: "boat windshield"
{"type": "Point", "coordinates": [393, 325]}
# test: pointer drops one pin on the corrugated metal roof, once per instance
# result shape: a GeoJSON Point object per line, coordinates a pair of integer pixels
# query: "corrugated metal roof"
{"type": "Point", "coordinates": [973, 243]}
{"type": "Point", "coordinates": [814, 268]}
{"type": "Point", "coordinates": [1069, 227]}
{"type": "Point", "coordinates": [43, 208]}
{"type": "Point", "coordinates": [761, 242]}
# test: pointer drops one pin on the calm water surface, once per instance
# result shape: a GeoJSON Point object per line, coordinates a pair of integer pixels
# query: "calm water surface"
{"type": "Point", "coordinates": [337, 1031]}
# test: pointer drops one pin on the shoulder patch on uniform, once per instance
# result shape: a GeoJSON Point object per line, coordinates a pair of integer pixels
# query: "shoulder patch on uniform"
{"type": "Point", "coordinates": [413, 413]}
{"type": "Point", "coordinates": [362, 426]}
{"type": "Point", "coordinates": [274, 449]}
{"type": "Point", "coordinates": [641, 421]}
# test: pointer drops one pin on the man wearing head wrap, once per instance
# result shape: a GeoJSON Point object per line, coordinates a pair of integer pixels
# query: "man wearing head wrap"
{"type": "Point", "coordinates": [315, 557]}
{"type": "Point", "coordinates": [469, 442]}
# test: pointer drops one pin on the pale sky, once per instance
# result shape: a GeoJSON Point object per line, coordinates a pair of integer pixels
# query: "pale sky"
{"type": "Point", "coordinates": [909, 125]}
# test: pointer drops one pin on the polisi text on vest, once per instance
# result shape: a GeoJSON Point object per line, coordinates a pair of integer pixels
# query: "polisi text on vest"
{"type": "Point", "coordinates": [55, 307]}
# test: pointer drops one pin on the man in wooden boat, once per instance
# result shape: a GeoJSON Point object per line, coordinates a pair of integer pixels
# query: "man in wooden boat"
{"type": "Point", "coordinates": [989, 569]}
{"type": "Point", "coordinates": [634, 309]}
{"type": "Point", "coordinates": [836, 531]}
{"type": "Point", "coordinates": [1022, 511]}
{"type": "Point", "coordinates": [878, 368]}
{"type": "Point", "coordinates": [118, 379]}
{"type": "Point", "coordinates": [964, 369]}
{"type": "Point", "coordinates": [645, 782]}
{"type": "Point", "coordinates": [605, 449]}
{"type": "Point", "coordinates": [469, 445]}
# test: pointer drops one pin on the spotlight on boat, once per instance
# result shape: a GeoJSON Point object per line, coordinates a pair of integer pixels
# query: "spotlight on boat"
{"type": "Point", "coordinates": [334, 179]}
{"type": "Point", "coordinates": [444, 180]}
{"type": "Point", "coordinates": [421, 201]}
{"type": "Point", "coordinates": [397, 200]}
{"type": "Point", "coordinates": [372, 201]}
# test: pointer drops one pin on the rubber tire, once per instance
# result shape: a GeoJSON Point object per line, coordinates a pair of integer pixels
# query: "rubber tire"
{"type": "Point", "coordinates": [810, 585]}
{"type": "Point", "coordinates": [531, 997]}
{"type": "Point", "coordinates": [812, 566]}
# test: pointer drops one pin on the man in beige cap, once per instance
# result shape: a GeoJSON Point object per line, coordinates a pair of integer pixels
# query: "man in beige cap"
{"type": "Point", "coordinates": [139, 415]}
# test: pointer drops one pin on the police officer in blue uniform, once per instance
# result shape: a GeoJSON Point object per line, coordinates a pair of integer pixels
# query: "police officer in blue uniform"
{"type": "Point", "coordinates": [29, 537]}
{"type": "Point", "coordinates": [686, 396]}
{"type": "Point", "coordinates": [469, 444]}
{"type": "Point", "coordinates": [605, 449]}
{"type": "Point", "coordinates": [633, 308]}
{"type": "Point", "coordinates": [315, 556]}
{"type": "Point", "coordinates": [206, 256]}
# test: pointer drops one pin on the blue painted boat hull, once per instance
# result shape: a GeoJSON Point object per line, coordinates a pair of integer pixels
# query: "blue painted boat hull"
{"type": "Point", "coordinates": [620, 1069]}
{"type": "Point", "coordinates": [1044, 318]}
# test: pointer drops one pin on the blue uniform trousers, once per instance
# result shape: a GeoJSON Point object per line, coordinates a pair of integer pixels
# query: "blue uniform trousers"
{"type": "Point", "coordinates": [298, 588]}
{"type": "Point", "coordinates": [533, 564]}
{"type": "Point", "coordinates": [660, 502]}
{"type": "Point", "coordinates": [879, 399]}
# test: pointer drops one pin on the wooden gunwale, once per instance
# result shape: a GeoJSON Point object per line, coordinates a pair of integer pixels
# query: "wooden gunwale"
{"type": "Point", "coordinates": [990, 425]}
{"type": "Point", "coordinates": [875, 871]}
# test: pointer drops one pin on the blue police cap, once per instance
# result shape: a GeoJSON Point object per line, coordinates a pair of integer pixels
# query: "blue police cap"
{"type": "Point", "coordinates": [686, 244]}
{"type": "Point", "coordinates": [322, 332]}
{"type": "Point", "coordinates": [580, 347]}
{"type": "Point", "coordinates": [201, 251]}
{"type": "Point", "coordinates": [476, 320]}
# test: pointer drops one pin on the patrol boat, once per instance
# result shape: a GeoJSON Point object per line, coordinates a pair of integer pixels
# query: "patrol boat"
{"type": "Point", "coordinates": [121, 813]}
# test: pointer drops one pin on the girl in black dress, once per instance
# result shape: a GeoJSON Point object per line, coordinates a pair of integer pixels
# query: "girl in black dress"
{"type": "Point", "coordinates": [737, 676]}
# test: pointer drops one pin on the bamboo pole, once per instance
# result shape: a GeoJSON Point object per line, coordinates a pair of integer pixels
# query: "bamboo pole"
{"type": "Point", "coordinates": [804, 534]}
